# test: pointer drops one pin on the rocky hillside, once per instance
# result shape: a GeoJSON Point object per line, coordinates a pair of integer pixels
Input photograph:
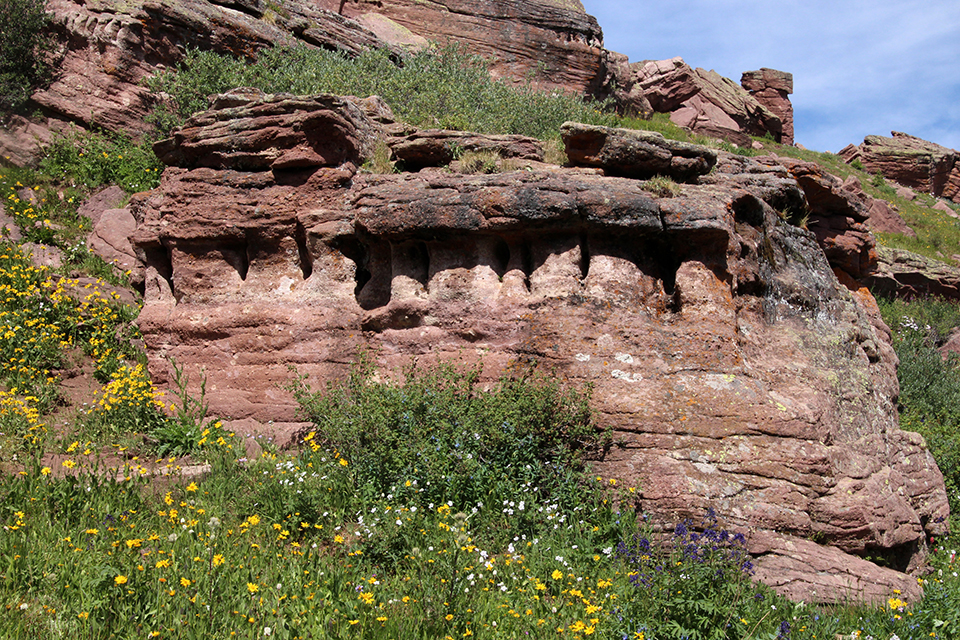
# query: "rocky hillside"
{"type": "Point", "coordinates": [714, 301]}
{"type": "Point", "coordinates": [107, 48]}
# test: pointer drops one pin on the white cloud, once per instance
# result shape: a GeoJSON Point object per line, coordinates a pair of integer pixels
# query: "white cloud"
{"type": "Point", "coordinates": [859, 67]}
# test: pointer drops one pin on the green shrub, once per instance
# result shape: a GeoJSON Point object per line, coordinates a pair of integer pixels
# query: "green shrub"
{"type": "Point", "coordinates": [662, 186]}
{"type": "Point", "coordinates": [22, 42]}
{"type": "Point", "coordinates": [696, 584]}
{"type": "Point", "coordinates": [457, 443]}
{"type": "Point", "coordinates": [929, 383]}
{"type": "Point", "coordinates": [92, 159]}
{"type": "Point", "coordinates": [444, 88]}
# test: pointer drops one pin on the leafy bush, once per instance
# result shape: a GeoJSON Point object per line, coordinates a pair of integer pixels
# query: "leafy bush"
{"type": "Point", "coordinates": [696, 585]}
{"type": "Point", "coordinates": [21, 50]}
{"type": "Point", "coordinates": [459, 444]}
{"type": "Point", "coordinates": [92, 159]}
{"type": "Point", "coordinates": [929, 383]}
{"type": "Point", "coordinates": [446, 88]}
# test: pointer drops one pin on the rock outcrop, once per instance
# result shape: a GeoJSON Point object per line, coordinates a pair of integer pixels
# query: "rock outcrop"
{"type": "Point", "coordinates": [705, 102]}
{"type": "Point", "coordinates": [108, 47]}
{"type": "Point", "coordinates": [735, 370]}
{"type": "Point", "coordinates": [906, 274]}
{"type": "Point", "coordinates": [635, 154]}
{"type": "Point", "coordinates": [772, 89]}
{"type": "Point", "coordinates": [910, 161]}
{"type": "Point", "coordinates": [882, 217]}
{"type": "Point", "coordinates": [837, 218]}
{"type": "Point", "coordinates": [556, 44]}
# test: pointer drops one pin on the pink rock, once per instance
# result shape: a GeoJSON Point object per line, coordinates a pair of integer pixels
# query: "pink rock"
{"type": "Point", "coordinates": [43, 255]}
{"type": "Point", "coordinates": [112, 197]}
{"type": "Point", "coordinates": [110, 239]}
{"type": "Point", "coordinates": [941, 206]}
{"type": "Point", "coordinates": [772, 89]}
{"type": "Point", "coordinates": [883, 219]}
{"type": "Point", "coordinates": [704, 101]}
{"type": "Point", "coordinates": [9, 229]}
{"type": "Point", "coordinates": [700, 319]}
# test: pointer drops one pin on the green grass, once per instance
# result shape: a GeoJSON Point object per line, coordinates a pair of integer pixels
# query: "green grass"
{"type": "Point", "coordinates": [88, 160]}
{"type": "Point", "coordinates": [318, 544]}
{"type": "Point", "coordinates": [929, 383]}
{"type": "Point", "coordinates": [444, 88]}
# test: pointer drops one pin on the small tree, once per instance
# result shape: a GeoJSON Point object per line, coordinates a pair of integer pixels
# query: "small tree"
{"type": "Point", "coordinates": [22, 37]}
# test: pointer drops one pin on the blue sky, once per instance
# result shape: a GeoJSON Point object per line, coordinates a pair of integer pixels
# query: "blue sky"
{"type": "Point", "coordinates": [858, 67]}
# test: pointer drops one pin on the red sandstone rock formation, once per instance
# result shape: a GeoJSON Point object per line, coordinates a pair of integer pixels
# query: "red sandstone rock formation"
{"type": "Point", "coordinates": [772, 89]}
{"type": "Point", "coordinates": [907, 274]}
{"type": "Point", "coordinates": [735, 370]}
{"type": "Point", "coordinates": [554, 43]}
{"type": "Point", "coordinates": [704, 101]}
{"type": "Point", "coordinates": [911, 162]}
{"type": "Point", "coordinates": [108, 47]}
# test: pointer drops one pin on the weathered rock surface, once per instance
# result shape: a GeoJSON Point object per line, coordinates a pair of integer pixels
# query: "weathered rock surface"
{"type": "Point", "coordinates": [8, 228]}
{"type": "Point", "coordinates": [107, 48]}
{"type": "Point", "coordinates": [837, 218]}
{"type": "Point", "coordinates": [772, 89]}
{"type": "Point", "coordinates": [280, 133]}
{"type": "Point", "coordinates": [555, 43]}
{"type": "Point", "coordinates": [705, 102]}
{"type": "Point", "coordinates": [110, 239]}
{"type": "Point", "coordinates": [112, 197]}
{"type": "Point", "coordinates": [907, 274]}
{"type": "Point", "coordinates": [911, 162]}
{"type": "Point", "coordinates": [438, 147]}
{"type": "Point", "coordinates": [635, 154]}
{"type": "Point", "coordinates": [735, 370]}
{"type": "Point", "coordinates": [881, 216]}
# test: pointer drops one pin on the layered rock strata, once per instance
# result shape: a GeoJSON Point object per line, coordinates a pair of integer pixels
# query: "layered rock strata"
{"type": "Point", "coordinates": [910, 161]}
{"type": "Point", "coordinates": [736, 372]}
{"type": "Point", "coordinates": [107, 47]}
{"type": "Point", "coordinates": [908, 275]}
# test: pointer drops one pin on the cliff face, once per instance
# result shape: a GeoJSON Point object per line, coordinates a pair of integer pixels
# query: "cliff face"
{"type": "Point", "coordinates": [735, 370]}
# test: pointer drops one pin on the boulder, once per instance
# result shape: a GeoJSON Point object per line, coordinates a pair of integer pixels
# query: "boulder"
{"type": "Point", "coordinates": [881, 218]}
{"type": "Point", "coordinates": [906, 274]}
{"type": "Point", "coordinates": [110, 239]}
{"type": "Point", "coordinates": [632, 153]}
{"type": "Point", "coordinates": [734, 369]}
{"type": "Point", "coordinates": [280, 132]}
{"type": "Point", "coordinates": [9, 229]}
{"type": "Point", "coordinates": [911, 162]}
{"type": "Point", "coordinates": [438, 147]}
{"type": "Point", "coordinates": [772, 89]}
{"type": "Point", "coordinates": [112, 197]}
{"type": "Point", "coordinates": [705, 102]}
{"type": "Point", "coordinates": [881, 215]}
{"type": "Point", "coordinates": [43, 255]}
